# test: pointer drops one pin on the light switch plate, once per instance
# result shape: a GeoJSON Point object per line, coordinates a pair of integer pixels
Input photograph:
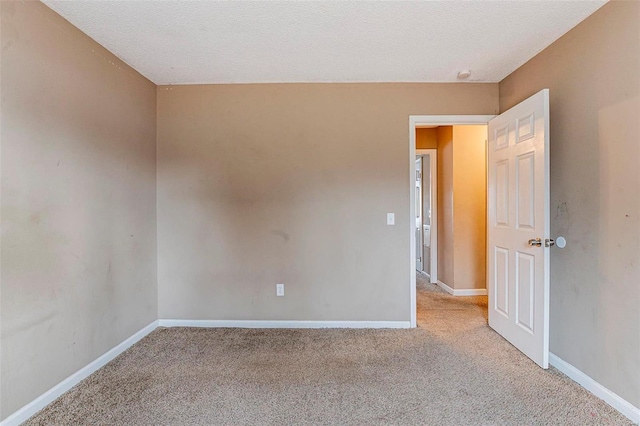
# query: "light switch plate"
{"type": "Point", "coordinates": [391, 218]}
{"type": "Point", "coordinates": [279, 289]}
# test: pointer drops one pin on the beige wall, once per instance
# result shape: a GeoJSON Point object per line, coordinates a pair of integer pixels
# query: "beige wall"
{"type": "Point", "coordinates": [593, 73]}
{"type": "Point", "coordinates": [462, 206]}
{"type": "Point", "coordinates": [445, 204]}
{"type": "Point", "coordinates": [469, 206]}
{"type": "Point", "coordinates": [290, 183]}
{"type": "Point", "coordinates": [426, 138]}
{"type": "Point", "coordinates": [78, 245]}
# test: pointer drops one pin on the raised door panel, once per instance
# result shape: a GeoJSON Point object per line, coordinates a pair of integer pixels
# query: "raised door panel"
{"type": "Point", "coordinates": [525, 287]}
{"type": "Point", "coordinates": [525, 191]}
{"type": "Point", "coordinates": [501, 281]}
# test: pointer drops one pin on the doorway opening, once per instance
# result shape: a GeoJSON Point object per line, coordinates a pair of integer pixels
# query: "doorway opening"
{"type": "Point", "coordinates": [426, 210]}
{"type": "Point", "coordinates": [417, 222]}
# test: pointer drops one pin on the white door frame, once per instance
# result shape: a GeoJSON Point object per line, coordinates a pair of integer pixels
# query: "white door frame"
{"type": "Point", "coordinates": [433, 203]}
{"type": "Point", "coordinates": [416, 121]}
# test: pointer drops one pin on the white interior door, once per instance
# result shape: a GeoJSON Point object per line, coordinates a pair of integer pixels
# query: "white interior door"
{"type": "Point", "coordinates": [419, 255]}
{"type": "Point", "coordinates": [518, 226]}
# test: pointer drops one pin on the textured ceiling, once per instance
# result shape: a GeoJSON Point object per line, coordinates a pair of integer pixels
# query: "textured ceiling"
{"type": "Point", "coordinates": [182, 42]}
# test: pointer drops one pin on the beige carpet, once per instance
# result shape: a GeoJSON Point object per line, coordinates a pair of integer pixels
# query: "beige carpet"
{"type": "Point", "coordinates": [452, 370]}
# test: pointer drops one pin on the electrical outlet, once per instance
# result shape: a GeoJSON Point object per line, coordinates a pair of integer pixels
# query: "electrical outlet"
{"type": "Point", "coordinates": [279, 289]}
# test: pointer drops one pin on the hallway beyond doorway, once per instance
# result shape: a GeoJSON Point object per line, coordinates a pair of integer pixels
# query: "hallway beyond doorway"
{"type": "Point", "coordinates": [438, 310]}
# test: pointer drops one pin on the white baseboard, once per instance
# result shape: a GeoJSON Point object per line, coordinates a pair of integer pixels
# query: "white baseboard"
{"type": "Point", "coordinates": [282, 324]}
{"type": "Point", "coordinates": [463, 292]}
{"type": "Point", "coordinates": [52, 394]}
{"type": "Point", "coordinates": [617, 402]}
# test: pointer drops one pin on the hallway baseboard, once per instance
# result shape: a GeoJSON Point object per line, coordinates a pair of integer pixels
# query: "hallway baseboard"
{"type": "Point", "coordinates": [464, 291]}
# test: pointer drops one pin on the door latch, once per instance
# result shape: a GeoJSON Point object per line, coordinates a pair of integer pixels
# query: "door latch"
{"type": "Point", "coordinates": [549, 242]}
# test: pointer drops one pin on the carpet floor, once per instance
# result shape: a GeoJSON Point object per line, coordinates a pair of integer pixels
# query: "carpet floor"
{"type": "Point", "coordinates": [451, 370]}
